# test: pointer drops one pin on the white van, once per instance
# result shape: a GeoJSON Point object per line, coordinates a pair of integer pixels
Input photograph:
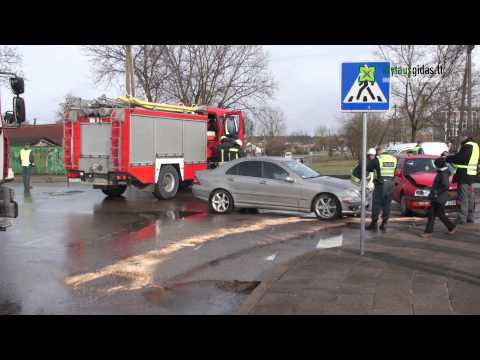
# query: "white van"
{"type": "Point", "coordinates": [429, 148]}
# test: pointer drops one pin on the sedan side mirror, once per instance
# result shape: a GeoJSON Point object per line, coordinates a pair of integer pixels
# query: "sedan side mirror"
{"type": "Point", "coordinates": [397, 172]}
{"type": "Point", "coordinates": [289, 179]}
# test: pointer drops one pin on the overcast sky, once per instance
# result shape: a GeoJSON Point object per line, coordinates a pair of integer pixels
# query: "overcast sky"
{"type": "Point", "coordinates": [307, 77]}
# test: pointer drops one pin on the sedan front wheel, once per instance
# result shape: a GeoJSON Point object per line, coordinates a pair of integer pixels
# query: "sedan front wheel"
{"type": "Point", "coordinates": [327, 207]}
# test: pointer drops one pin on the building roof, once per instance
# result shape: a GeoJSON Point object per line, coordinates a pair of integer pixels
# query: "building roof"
{"type": "Point", "coordinates": [33, 134]}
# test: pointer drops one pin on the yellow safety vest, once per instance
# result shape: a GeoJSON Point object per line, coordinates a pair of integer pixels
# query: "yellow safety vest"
{"type": "Point", "coordinates": [388, 163]}
{"type": "Point", "coordinates": [25, 156]}
{"type": "Point", "coordinates": [355, 179]}
{"type": "Point", "coordinates": [472, 162]}
{"type": "Point", "coordinates": [231, 153]}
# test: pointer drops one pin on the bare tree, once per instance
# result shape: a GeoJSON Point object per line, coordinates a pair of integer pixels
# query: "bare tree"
{"type": "Point", "coordinates": [108, 62]}
{"type": "Point", "coordinates": [62, 108]}
{"type": "Point", "coordinates": [10, 60]}
{"type": "Point", "coordinates": [323, 141]}
{"type": "Point", "coordinates": [321, 131]}
{"type": "Point", "coordinates": [352, 132]}
{"type": "Point", "coordinates": [417, 92]}
{"type": "Point", "coordinates": [270, 121]}
{"type": "Point", "coordinates": [221, 75]}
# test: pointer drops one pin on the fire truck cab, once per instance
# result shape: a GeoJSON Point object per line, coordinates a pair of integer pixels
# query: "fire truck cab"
{"type": "Point", "coordinates": [115, 144]}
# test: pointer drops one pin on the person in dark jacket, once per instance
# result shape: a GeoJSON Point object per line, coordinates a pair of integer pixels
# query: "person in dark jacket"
{"type": "Point", "coordinates": [466, 164]}
{"type": "Point", "coordinates": [438, 197]}
{"type": "Point", "coordinates": [230, 149]}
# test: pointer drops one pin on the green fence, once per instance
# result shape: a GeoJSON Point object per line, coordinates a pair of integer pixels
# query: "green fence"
{"type": "Point", "coordinates": [48, 160]}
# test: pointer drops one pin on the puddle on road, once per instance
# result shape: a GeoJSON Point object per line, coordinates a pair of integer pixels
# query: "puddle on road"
{"type": "Point", "coordinates": [201, 297]}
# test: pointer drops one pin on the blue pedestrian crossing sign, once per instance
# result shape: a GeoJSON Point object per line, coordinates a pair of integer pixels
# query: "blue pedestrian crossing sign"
{"type": "Point", "coordinates": [365, 86]}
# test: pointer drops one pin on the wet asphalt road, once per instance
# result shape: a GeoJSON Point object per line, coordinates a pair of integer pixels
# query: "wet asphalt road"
{"type": "Point", "coordinates": [74, 251]}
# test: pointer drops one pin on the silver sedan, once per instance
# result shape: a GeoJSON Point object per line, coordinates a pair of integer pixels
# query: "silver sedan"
{"type": "Point", "coordinates": [275, 183]}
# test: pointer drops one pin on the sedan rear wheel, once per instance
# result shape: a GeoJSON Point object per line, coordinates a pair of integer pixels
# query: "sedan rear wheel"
{"type": "Point", "coordinates": [327, 207]}
{"type": "Point", "coordinates": [221, 202]}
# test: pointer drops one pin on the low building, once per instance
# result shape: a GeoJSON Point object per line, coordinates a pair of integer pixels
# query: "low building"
{"type": "Point", "coordinates": [47, 145]}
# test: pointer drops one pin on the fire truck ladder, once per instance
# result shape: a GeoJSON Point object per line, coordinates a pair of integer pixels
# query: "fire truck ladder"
{"type": "Point", "coordinates": [157, 106]}
{"type": "Point", "coordinates": [116, 132]}
{"type": "Point", "coordinates": [67, 145]}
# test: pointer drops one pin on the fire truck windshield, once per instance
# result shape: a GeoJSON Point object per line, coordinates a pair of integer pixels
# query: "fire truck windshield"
{"type": "Point", "coordinates": [231, 125]}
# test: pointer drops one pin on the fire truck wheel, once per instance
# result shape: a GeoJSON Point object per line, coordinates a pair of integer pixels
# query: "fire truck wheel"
{"type": "Point", "coordinates": [221, 202]}
{"type": "Point", "coordinates": [114, 191]}
{"type": "Point", "coordinates": [168, 183]}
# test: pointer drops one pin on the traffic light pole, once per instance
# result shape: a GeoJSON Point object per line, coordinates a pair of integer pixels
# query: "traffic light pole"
{"type": "Point", "coordinates": [364, 182]}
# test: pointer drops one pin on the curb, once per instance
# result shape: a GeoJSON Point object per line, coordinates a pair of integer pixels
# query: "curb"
{"type": "Point", "coordinates": [252, 300]}
{"type": "Point", "coordinates": [275, 275]}
{"type": "Point", "coordinates": [43, 179]}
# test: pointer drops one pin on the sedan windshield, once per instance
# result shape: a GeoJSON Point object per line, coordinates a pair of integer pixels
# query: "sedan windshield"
{"type": "Point", "coordinates": [422, 165]}
{"type": "Point", "coordinates": [419, 165]}
{"type": "Point", "coordinates": [301, 170]}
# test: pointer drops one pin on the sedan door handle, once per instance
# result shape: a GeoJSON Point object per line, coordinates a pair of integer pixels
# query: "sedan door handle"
{"type": "Point", "coordinates": [230, 179]}
{"type": "Point", "coordinates": [263, 182]}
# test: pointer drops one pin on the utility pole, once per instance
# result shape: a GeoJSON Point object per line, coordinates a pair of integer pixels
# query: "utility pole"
{"type": "Point", "coordinates": [395, 125]}
{"type": "Point", "coordinates": [129, 72]}
{"type": "Point", "coordinates": [469, 88]}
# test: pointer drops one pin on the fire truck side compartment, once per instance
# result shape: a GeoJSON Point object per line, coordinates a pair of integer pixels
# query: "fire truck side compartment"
{"type": "Point", "coordinates": [166, 137]}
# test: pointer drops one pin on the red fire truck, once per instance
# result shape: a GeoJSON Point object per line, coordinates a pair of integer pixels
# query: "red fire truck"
{"type": "Point", "coordinates": [115, 144]}
{"type": "Point", "coordinates": [11, 119]}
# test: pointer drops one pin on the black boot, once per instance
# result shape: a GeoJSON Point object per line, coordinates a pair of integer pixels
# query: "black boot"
{"type": "Point", "coordinates": [383, 227]}
{"type": "Point", "coordinates": [372, 226]}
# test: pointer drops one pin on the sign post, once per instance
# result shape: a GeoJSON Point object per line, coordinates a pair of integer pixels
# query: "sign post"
{"type": "Point", "coordinates": [365, 87]}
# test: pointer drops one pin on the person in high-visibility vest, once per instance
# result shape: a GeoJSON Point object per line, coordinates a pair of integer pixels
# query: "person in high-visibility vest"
{"type": "Point", "coordinates": [229, 149]}
{"type": "Point", "coordinates": [418, 148]}
{"type": "Point", "coordinates": [383, 167]}
{"type": "Point", "coordinates": [27, 161]}
{"type": "Point", "coordinates": [466, 164]}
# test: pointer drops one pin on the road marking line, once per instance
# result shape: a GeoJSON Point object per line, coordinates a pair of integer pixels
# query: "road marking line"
{"type": "Point", "coordinates": [271, 257]}
{"type": "Point", "coordinates": [335, 241]}
{"type": "Point", "coordinates": [139, 269]}
{"type": "Point", "coordinates": [35, 241]}
{"type": "Point", "coordinates": [198, 247]}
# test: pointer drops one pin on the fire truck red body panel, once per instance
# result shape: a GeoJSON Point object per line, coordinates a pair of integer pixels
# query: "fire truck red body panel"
{"type": "Point", "coordinates": [138, 140]}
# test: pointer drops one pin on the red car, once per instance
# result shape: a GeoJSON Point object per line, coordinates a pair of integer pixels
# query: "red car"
{"type": "Point", "coordinates": [413, 180]}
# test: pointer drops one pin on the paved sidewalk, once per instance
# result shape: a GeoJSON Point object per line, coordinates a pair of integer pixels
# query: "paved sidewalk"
{"type": "Point", "coordinates": [400, 273]}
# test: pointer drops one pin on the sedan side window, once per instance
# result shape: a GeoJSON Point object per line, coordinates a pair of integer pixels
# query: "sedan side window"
{"type": "Point", "coordinates": [273, 171]}
{"type": "Point", "coordinates": [233, 170]}
{"type": "Point", "coordinates": [250, 168]}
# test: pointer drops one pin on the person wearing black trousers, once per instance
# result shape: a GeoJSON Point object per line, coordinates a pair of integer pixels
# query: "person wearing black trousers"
{"type": "Point", "coordinates": [438, 197]}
